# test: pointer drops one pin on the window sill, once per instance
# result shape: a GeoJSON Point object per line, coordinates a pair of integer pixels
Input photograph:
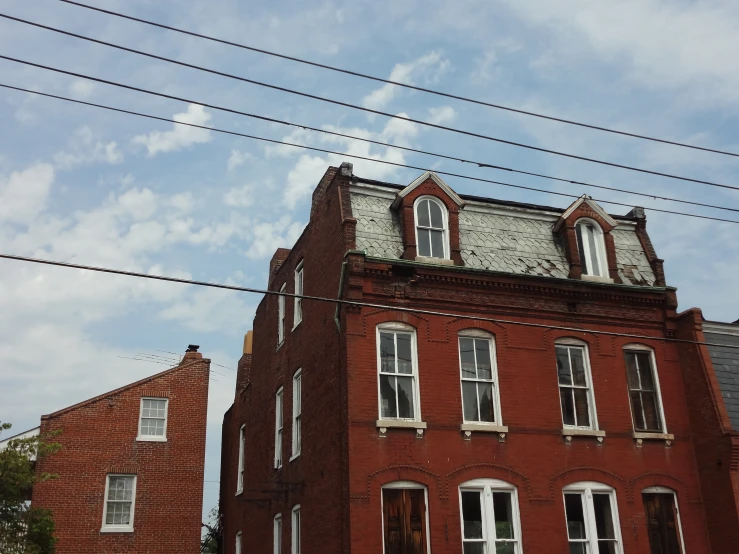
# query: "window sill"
{"type": "Point", "coordinates": [238, 492]}
{"type": "Point", "coordinates": [116, 530]}
{"type": "Point", "coordinates": [595, 433]}
{"type": "Point", "coordinates": [296, 325]}
{"type": "Point", "coordinates": [596, 278]}
{"type": "Point", "coordinates": [640, 436]}
{"type": "Point", "coordinates": [469, 428]}
{"type": "Point", "coordinates": [384, 424]}
{"type": "Point", "coordinates": [294, 457]}
{"type": "Point", "coordinates": [151, 439]}
{"type": "Point", "coordinates": [280, 345]}
{"type": "Point", "coordinates": [438, 261]}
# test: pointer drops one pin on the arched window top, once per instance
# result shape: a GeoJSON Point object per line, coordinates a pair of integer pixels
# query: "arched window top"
{"type": "Point", "coordinates": [432, 228]}
{"type": "Point", "coordinates": [570, 341]}
{"type": "Point", "coordinates": [477, 333]}
{"type": "Point", "coordinates": [396, 326]}
{"type": "Point", "coordinates": [591, 485]}
{"type": "Point", "coordinates": [485, 482]}
{"type": "Point", "coordinates": [592, 248]}
{"type": "Point", "coordinates": [657, 489]}
{"type": "Point", "coordinates": [638, 346]}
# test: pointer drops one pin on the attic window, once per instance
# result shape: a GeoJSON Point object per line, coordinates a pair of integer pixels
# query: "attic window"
{"type": "Point", "coordinates": [591, 246]}
{"type": "Point", "coordinates": [432, 233]}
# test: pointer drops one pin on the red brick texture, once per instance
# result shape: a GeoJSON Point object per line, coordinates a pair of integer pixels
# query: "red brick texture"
{"type": "Point", "coordinates": [98, 437]}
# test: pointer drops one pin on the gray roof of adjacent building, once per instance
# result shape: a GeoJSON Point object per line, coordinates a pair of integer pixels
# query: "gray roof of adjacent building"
{"type": "Point", "coordinates": [725, 363]}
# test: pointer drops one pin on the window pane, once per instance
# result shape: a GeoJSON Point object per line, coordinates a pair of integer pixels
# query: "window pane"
{"type": "Point", "coordinates": [581, 407]}
{"type": "Point", "coordinates": [631, 371]}
{"type": "Point", "coordinates": [586, 268]}
{"type": "Point", "coordinates": [645, 371]}
{"type": "Point", "coordinates": [592, 238]}
{"type": "Point", "coordinates": [467, 357]}
{"type": "Point", "coordinates": [636, 409]}
{"type": "Point", "coordinates": [563, 366]}
{"type": "Point", "coordinates": [387, 352]}
{"type": "Point", "coordinates": [472, 515]}
{"type": "Point", "coordinates": [469, 401]}
{"type": "Point", "coordinates": [607, 547]}
{"type": "Point", "coordinates": [603, 516]}
{"type": "Point", "coordinates": [405, 360]}
{"type": "Point", "coordinates": [437, 221]}
{"type": "Point", "coordinates": [482, 348]}
{"type": "Point", "coordinates": [487, 411]}
{"type": "Point", "coordinates": [578, 548]}
{"type": "Point", "coordinates": [503, 515]}
{"type": "Point", "coordinates": [423, 213]}
{"type": "Point", "coordinates": [505, 548]}
{"type": "Point", "coordinates": [575, 517]}
{"type": "Point", "coordinates": [437, 244]}
{"type": "Point", "coordinates": [424, 243]}
{"type": "Point", "coordinates": [578, 367]}
{"type": "Point", "coordinates": [474, 548]}
{"type": "Point", "coordinates": [405, 397]}
{"type": "Point", "coordinates": [387, 396]}
{"type": "Point", "coordinates": [568, 409]}
{"type": "Point", "coordinates": [651, 412]}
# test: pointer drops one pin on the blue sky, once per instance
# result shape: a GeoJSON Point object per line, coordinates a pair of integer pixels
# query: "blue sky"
{"type": "Point", "coordinates": [84, 185]}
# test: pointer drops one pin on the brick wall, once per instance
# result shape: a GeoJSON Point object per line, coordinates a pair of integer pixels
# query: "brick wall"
{"type": "Point", "coordinates": [98, 437]}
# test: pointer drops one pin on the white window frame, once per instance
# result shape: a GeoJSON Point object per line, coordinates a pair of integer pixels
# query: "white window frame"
{"type": "Point", "coordinates": [481, 335]}
{"type": "Point", "coordinates": [281, 316]}
{"type": "Point", "coordinates": [118, 528]}
{"type": "Point", "coordinates": [586, 490]}
{"type": "Point", "coordinates": [238, 542]}
{"type": "Point", "coordinates": [666, 490]}
{"type": "Point", "coordinates": [593, 412]}
{"type": "Point", "coordinates": [295, 526]}
{"type": "Point", "coordinates": [277, 534]}
{"type": "Point", "coordinates": [299, 291]}
{"type": "Point", "coordinates": [405, 485]}
{"type": "Point", "coordinates": [635, 346]}
{"type": "Point", "coordinates": [445, 223]}
{"type": "Point", "coordinates": [487, 487]}
{"type": "Point", "coordinates": [153, 438]}
{"type": "Point", "coordinates": [242, 447]}
{"type": "Point", "coordinates": [600, 248]}
{"type": "Point", "coordinates": [397, 327]}
{"type": "Point", "coordinates": [279, 426]}
{"type": "Point", "coordinates": [297, 423]}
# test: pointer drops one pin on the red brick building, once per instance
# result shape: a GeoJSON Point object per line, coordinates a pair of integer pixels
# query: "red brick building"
{"type": "Point", "coordinates": [359, 429]}
{"type": "Point", "coordinates": [130, 470]}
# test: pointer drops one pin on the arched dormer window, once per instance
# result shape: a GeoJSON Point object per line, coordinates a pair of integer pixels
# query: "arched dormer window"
{"type": "Point", "coordinates": [592, 248]}
{"type": "Point", "coordinates": [432, 228]}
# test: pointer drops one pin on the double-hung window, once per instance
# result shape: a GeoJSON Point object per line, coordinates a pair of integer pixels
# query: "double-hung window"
{"type": "Point", "coordinates": [646, 407]}
{"type": "Point", "coordinates": [238, 542]}
{"type": "Point", "coordinates": [591, 246]}
{"type": "Point", "coordinates": [432, 235]}
{"type": "Point", "coordinates": [296, 530]}
{"type": "Point", "coordinates": [278, 429]}
{"type": "Point", "coordinates": [277, 534]}
{"type": "Point", "coordinates": [297, 413]}
{"type": "Point", "coordinates": [397, 372]}
{"type": "Point", "coordinates": [120, 501]}
{"type": "Point", "coordinates": [490, 518]}
{"type": "Point", "coordinates": [480, 400]}
{"type": "Point", "coordinates": [281, 316]}
{"type": "Point", "coordinates": [240, 475]}
{"type": "Point", "coordinates": [592, 519]}
{"type": "Point", "coordinates": [575, 386]}
{"type": "Point", "coordinates": [153, 419]}
{"type": "Point", "coordinates": [298, 305]}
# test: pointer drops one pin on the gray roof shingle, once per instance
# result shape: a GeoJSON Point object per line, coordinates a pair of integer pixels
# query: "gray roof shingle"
{"type": "Point", "coordinates": [726, 366]}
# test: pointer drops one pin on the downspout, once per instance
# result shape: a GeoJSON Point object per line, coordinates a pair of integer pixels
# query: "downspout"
{"type": "Point", "coordinates": [338, 296]}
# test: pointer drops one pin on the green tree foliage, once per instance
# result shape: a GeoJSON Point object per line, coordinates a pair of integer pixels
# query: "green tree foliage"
{"type": "Point", "coordinates": [24, 529]}
{"type": "Point", "coordinates": [209, 544]}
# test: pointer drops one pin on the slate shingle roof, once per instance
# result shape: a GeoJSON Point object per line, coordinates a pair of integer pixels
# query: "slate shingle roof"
{"type": "Point", "coordinates": [726, 366]}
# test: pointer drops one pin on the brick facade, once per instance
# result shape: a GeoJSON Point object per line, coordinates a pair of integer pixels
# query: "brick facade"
{"type": "Point", "coordinates": [99, 437]}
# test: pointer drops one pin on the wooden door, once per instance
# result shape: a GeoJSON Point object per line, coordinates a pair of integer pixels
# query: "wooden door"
{"type": "Point", "coordinates": [662, 523]}
{"type": "Point", "coordinates": [404, 514]}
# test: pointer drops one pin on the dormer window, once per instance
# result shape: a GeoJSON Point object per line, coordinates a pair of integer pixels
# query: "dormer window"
{"type": "Point", "coordinates": [592, 248]}
{"type": "Point", "coordinates": [432, 232]}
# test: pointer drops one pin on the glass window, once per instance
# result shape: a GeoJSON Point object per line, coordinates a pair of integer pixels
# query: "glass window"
{"type": "Point", "coordinates": [592, 521]}
{"type": "Point", "coordinates": [298, 306]}
{"type": "Point", "coordinates": [479, 388]}
{"type": "Point", "coordinates": [297, 412]}
{"type": "Point", "coordinates": [431, 230]}
{"type": "Point", "coordinates": [153, 419]}
{"type": "Point", "coordinates": [120, 499]}
{"type": "Point", "coordinates": [296, 530]}
{"type": "Point", "coordinates": [490, 519]}
{"type": "Point", "coordinates": [281, 316]}
{"type": "Point", "coordinates": [398, 374]}
{"type": "Point", "coordinates": [238, 542]}
{"type": "Point", "coordinates": [278, 429]}
{"type": "Point", "coordinates": [591, 246]}
{"type": "Point", "coordinates": [277, 533]}
{"type": "Point", "coordinates": [643, 391]}
{"type": "Point", "coordinates": [240, 476]}
{"type": "Point", "coordinates": [575, 394]}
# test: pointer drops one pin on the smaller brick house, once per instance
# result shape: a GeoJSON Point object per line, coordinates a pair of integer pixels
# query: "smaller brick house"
{"type": "Point", "coordinates": [131, 467]}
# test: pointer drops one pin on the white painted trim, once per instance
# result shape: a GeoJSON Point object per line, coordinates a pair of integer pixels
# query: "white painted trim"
{"type": "Point", "coordinates": [279, 427]}
{"type": "Point", "coordinates": [297, 377]}
{"type": "Point", "coordinates": [655, 375]}
{"type": "Point", "coordinates": [238, 542]}
{"type": "Point", "coordinates": [240, 467]}
{"type": "Point", "coordinates": [600, 251]}
{"type": "Point", "coordinates": [281, 316]}
{"type": "Point", "coordinates": [721, 328]}
{"type": "Point", "coordinates": [590, 202]}
{"type": "Point", "coordinates": [294, 544]}
{"type": "Point", "coordinates": [153, 438]}
{"type": "Point", "coordinates": [118, 528]}
{"type": "Point", "coordinates": [406, 485]}
{"type": "Point", "coordinates": [446, 255]}
{"type": "Point", "coordinates": [576, 343]}
{"type": "Point", "coordinates": [479, 335]}
{"type": "Point", "coordinates": [420, 180]}
{"type": "Point", "coordinates": [298, 301]}
{"type": "Point", "coordinates": [399, 327]}
{"type": "Point", "coordinates": [488, 521]}
{"type": "Point", "coordinates": [277, 534]}
{"type": "Point", "coordinates": [586, 489]}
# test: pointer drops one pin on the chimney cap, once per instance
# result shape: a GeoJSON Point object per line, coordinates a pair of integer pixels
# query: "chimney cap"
{"type": "Point", "coordinates": [192, 347]}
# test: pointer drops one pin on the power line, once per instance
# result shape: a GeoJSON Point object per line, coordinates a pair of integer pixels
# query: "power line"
{"type": "Point", "coordinates": [360, 108]}
{"type": "Point", "coordinates": [400, 84]}
{"type": "Point", "coordinates": [164, 363]}
{"type": "Point", "coordinates": [355, 156]}
{"type": "Point", "coordinates": [362, 139]}
{"type": "Point", "coordinates": [349, 302]}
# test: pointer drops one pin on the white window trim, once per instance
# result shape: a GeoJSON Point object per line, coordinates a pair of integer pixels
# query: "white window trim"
{"type": "Point", "coordinates": [494, 485]}
{"type": "Point", "coordinates": [477, 334]}
{"type": "Point", "coordinates": [279, 426]}
{"type": "Point", "coordinates": [405, 485]}
{"type": "Point", "coordinates": [242, 447]}
{"type": "Point", "coordinates": [666, 490]}
{"type": "Point", "coordinates": [402, 327]}
{"type": "Point", "coordinates": [294, 542]}
{"type": "Point", "coordinates": [118, 528]}
{"type": "Point", "coordinates": [238, 542]}
{"type": "Point", "coordinates": [281, 316]}
{"type": "Point", "coordinates": [297, 448]}
{"type": "Point", "coordinates": [600, 249]}
{"type": "Point", "coordinates": [587, 488]}
{"type": "Point", "coordinates": [655, 375]}
{"type": "Point", "coordinates": [277, 534]}
{"type": "Point", "coordinates": [567, 341]}
{"type": "Point", "coordinates": [444, 220]}
{"type": "Point", "coordinates": [153, 438]}
{"type": "Point", "coordinates": [297, 301]}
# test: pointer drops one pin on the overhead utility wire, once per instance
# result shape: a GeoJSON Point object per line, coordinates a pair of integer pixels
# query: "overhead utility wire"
{"type": "Point", "coordinates": [369, 110]}
{"type": "Point", "coordinates": [362, 139]}
{"type": "Point", "coordinates": [400, 84]}
{"type": "Point", "coordinates": [349, 302]}
{"type": "Point", "coordinates": [355, 156]}
{"type": "Point", "coordinates": [163, 363]}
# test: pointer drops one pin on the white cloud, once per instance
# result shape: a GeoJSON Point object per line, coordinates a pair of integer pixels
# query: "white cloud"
{"type": "Point", "coordinates": [239, 197]}
{"type": "Point", "coordinates": [84, 149]}
{"type": "Point", "coordinates": [181, 136]}
{"type": "Point", "coordinates": [268, 237]}
{"type": "Point", "coordinates": [24, 194]}
{"type": "Point", "coordinates": [428, 68]}
{"type": "Point", "coordinates": [81, 88]}
{"type": "Point", "coordinates": [237, 159]}
{"type": "Point", "coordinates": [442, 115]}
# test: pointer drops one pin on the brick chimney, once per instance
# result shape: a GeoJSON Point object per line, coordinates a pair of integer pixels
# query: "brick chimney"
{"type": "Point", "coordinates": [243, 370]}
{"type": "Point", "coordinates": [277, 260]}
{"type": "Point", "coordinates": [191, 354]}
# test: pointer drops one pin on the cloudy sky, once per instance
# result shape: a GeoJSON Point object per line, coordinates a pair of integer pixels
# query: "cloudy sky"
{"type": "Point", "coordinates": [82, 185]}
